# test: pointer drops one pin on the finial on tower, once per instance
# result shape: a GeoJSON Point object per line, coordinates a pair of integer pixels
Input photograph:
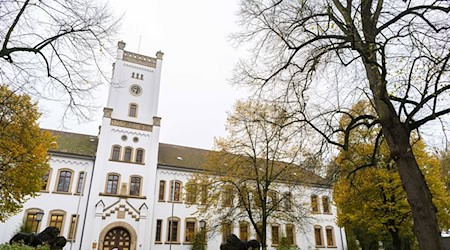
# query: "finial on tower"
{"type": "Point", "coordinates": [159, 55]}
{"type": "Point", "coordinates": [121, 45]}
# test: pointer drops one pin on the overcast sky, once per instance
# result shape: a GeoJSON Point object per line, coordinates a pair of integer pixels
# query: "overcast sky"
{"type": "Point", "coordinates": [198, 61]}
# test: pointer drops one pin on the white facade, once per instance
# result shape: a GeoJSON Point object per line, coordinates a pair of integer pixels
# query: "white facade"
{"type": "Point", "coordinates": [118, 201]}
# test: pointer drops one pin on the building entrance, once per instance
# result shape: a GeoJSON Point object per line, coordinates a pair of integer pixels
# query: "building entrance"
{"type": "Point", "coordinates": [117, 238]}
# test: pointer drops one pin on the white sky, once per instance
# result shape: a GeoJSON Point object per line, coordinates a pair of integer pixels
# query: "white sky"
{"type": "Point", "coordinates": [198, 61]}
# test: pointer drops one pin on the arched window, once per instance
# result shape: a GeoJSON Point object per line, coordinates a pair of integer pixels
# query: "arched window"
{"type": "Point", "coordinates": [46, 180]}
{"type": "Point", "coordinates": [318, 236]}
{"type": "Point", "coordinates": [127, 154]}
{"type": "Point", "coordinates": [227, 229]}
{"type": "Point", "coordinates": [115, 154]}
{"type": "Point", "coordinates": [32, 220]}
{"type": "Point", "coordinates": [275, 234]}
{"type": "Point", "coordinates": [139, 155]}
{"type": "Point", "coordinates": [273, 199]}
{"type": "Point", "coordinates": [227, 196]}
{"type": "Point", "coordinates": [132, 111]}
{"type": "Point", "coordinates": [142, 77]}
{"type": "Point", "coordinates": [191, 193]}
{"type": "Point", "coordinates": [162, 187]}
{"type": "Point", "coordinates": [190, 229]}
{"type": "Point", "coordinates": [290, 234]}
{"type": "Point", "coordinates": [175, 191]}
{"type": "Point", "coordinates": [112, 183]}
{"type": "Point", "coordinates": [56, 219]}
{"type": "Point", "coordinates": [330, 236]}
{"type": "Point", "coordinates": [132, 75]}
{"type": "Point", "coordinates": [326, 204]}
{"type": "Point", "coordinates": [244, 230]}
{"type": "Point", "coordinates": [80, 183]}
{"type": "Point", "coordinates": [64, 180]}
{"type": "Point", "coordinates": [135, 185]}
{"type": "Point", "coordinates": [173, 229]}
{"type": "Point", "coordinates": [287, 201]}
{"type": "Point", "coordinates": [314, 204]}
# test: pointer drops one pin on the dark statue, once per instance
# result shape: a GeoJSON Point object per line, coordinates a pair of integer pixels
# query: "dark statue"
{"type": "Point", "coordinates": [48, 236]}
{"type": "Point", "coordinates": [234, 243]}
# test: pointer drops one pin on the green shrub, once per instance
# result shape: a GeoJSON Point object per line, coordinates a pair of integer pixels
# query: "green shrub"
{"type": "Point", "coordinates": [199, 241]}
{"type": "Point", "coordinates": [19, 246]}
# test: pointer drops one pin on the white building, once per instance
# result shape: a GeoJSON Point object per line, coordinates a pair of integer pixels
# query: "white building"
{"type": "Point", "coordinates": [111, 191]}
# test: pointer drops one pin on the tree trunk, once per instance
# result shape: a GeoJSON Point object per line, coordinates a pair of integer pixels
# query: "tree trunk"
{"type": "Point", "coordinates": [396, 241]}
{"type": "Point", "coordinates": [397, 135]}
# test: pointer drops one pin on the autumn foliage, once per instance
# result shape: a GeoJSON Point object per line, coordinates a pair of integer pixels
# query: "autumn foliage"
{"type": "Point", "coordinates": [371, 202]}
{"type": "Point", "coordinates": [23, 151]}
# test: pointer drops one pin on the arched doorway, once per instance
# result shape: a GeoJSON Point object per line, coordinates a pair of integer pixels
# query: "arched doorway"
{"type": "Point", "coordinates": [117, 238]}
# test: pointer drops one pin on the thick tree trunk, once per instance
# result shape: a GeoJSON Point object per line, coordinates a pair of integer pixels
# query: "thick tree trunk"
{"type": "Point", "coordinates": [397, 136]}
{"type": "Point", "coordinates": [396, 241]}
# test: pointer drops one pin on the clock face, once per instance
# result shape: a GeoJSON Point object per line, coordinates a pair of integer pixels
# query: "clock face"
{"type": "Point", "coordinates": [135, 90]}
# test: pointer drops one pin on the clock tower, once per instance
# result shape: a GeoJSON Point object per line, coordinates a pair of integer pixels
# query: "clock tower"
{"type": "Point", "coordinates": [120, 203]}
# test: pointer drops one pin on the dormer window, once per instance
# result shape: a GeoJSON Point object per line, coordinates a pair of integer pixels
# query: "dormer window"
{"type": "Point", "coordinates": [132, 111]}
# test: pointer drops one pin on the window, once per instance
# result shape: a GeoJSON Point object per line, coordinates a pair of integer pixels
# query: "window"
{"type": "Point", "coordinates": [191, 193]}
{"type": "Point", "coordinates": [273, 199]}
{"type": "Point", "coordinates": [204, 195]}
{"type": "Point", "coordinates": [158, 230]}
{"type": "Point", "coordinates": [290, 234]}
{"type": "Point", "coordinates": [227, 197]}
{"type": "Point", "coordinates": [142, 77]}
{"type": "Point", "coordinates": [31, 221]}
{"type": "Point", "coordinates": [243, 197]}
{"type": "Point", "coordinates": [226, 230]}
{"type": "Point", "coordinates": [115, 154]}
{"type": "Point", "coordinates": [132, 111]}
{"type": "Point", "coordinates": [287, 203]}
{"type": "Point", "coordinates": [244, 229]}
{"type": "Point", "coordinates": [140, 156]}
{"type": "Point", "coordinates": [257, 199]}
{"type": "Point", "coordinates": [318, 235]}
{"type": "Point", "coordinates": [190, 230]}
{"type": "Point", "coordinates": [173, 227]}
{"type": "Point", "coordinates": [80, 183]}
{"type": "Point", "coordinates": [326, 204]}
{"type": "Point", "coordinates": [135, 185]}
{"type": "Point", "coordinates": [73, 227]}
{"type": "Point", "coordinates": [175, 191]}
{"type": "Point", "coordinates": [259, 227]}
{"type": "Point", "coordinates": [112, 184]}
{"type": "Point", "coordinates": [162, 187]}
{"type": "Point", "coordinates": [330, 236]}
{"type": "Point", "coordinates": [65, 177]}
{"type": "Point", "coordinates": [127, 154]}
{"type": "Point", "coordinates": [57, 220]}
{"type": "Point", "coordinates": [46, 180]}
{"type": "Point", "coordinates": [314, 204]}
{"type": "Point", "coordinates": [132, 75]}
{"type": "Point", "coordinates": [275, 234]}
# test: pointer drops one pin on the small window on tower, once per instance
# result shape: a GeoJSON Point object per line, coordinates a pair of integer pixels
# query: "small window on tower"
{"type": "Point", "coordinates": [132, 112]}
{"type": "Point", "coordinates": [132, 75]}
{"type": "Point", "coordinates": [142, 77]}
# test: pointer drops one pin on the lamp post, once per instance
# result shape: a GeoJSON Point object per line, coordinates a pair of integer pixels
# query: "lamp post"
{"type": "Point", "coordinates": [39, 216]}
{"type": "Point", "coordinates": [202, 224]}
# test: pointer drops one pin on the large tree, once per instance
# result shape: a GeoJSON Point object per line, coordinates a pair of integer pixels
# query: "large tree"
{"type": "Point", "coordinates": [252, 177]}
{"type": "Point", "coordinates": [53, 48]}
{"type": "Point", "coordinates": [322, 56]}
{"type": "Point", "coordinates": [23, 151]}
{"type": "Point", "coordinates": [371, 201]}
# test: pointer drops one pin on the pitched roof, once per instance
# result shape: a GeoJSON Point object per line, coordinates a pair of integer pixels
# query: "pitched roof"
{"type": "Point", "coordinates": [181, 156]}
{"type": "Point", "coordinates": [75, 144]}
{"type": "Point", "coordinates": [169, 155]}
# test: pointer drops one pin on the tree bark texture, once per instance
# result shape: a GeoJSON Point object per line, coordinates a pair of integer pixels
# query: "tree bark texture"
{"type": "Point", "coordinates": [397, 135]}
